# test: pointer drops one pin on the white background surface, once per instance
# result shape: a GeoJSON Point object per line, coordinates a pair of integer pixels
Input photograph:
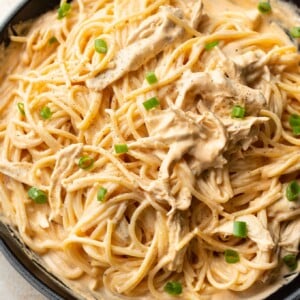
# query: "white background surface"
{"type": "Point", "coordinates": [12, 285]}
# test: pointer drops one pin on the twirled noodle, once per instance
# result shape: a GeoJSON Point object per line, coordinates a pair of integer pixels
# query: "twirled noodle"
{"type": "Point", "coordinates": [167, 206]}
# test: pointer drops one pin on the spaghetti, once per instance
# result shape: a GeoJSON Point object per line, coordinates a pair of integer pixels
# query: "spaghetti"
{"type": "Point", "coordinates": [150, 149]}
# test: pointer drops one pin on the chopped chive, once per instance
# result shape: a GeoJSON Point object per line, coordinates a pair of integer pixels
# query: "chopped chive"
{"type": "Point", "coordinates": [240, 229]}
{"type": "Point", "coordinates": [100, 46]}
{"type": "Point", "coordinates": [121, 148]}
{"type": "Point", "coordinates": [238, 112]}
{"type": "Point", "coordinates": [151, 103]}
{"type": "Point", "coordinates": [292, 191]}
{"type": "Point", "coordinates": [85, 162]}
{"type": "Point", "coordinates": [151, 77]}
{"type": "Point", "coordinates": [264, 7]}
{"type": "Point", "coordinates": [173, 288]}
{"type": "Point", "coordinates": [37, 195]}
{"type": "Point", "coordinates": [63, 10]}
{"type": "Point", "coordinates": [291, 261]}
{"type": "Point", "coordinates": [45, 113]}
{"type": "Point", "coordinates": [296, 130]}
{"type": "Point", "coordinates": [294, 120]}
{"type": "Point", "coordinates": [101, 194]}
{"type": "Point", "coordinates": [295, 32]}
{"type": "Point", "coordinates": [52, 40]}
{"type": "Point", "coordinates": [231, 256]}
{"type": "Point", "coordinates": [21, 108]}
{"type": "Point", "coordinates": [211, 45]}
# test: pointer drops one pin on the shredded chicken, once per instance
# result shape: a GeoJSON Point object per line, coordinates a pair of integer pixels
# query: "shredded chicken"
{"type": "Point", "coordinates": [178, 229]}
{"type": "Point", "coordinates": [290, 237]}
{"type": "Point", "coordinates": [255, 231]}
{"type": "Point", "coordinates": [218, 93]}
{"type": "Point", "coordinates": [152, 36]}
{"type": "Point", "coordinates": [202, 137]}
{"type": "Point", "coordinates": [64, 164]}
{"type": "Point", "coordinates": [20, 171]}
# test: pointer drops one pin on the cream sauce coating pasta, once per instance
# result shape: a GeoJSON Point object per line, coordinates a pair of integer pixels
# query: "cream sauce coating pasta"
{"type": "Point", "coordinates": [145, 182]}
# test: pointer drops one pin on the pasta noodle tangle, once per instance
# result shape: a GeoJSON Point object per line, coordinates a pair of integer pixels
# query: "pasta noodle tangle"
{"type": "Point", "coordinates": [126, 166]}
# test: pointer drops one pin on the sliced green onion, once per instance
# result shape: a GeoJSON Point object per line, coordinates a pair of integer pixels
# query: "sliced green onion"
{"type": "Point", "coordinates": [231, 256]}
{"type": "Point", "coordinates": [100, 46]}
{"type": "Point", "coordinates": [45, 113]}
{"type": "Point", "coordinates": [240, 229]}
{"type": "Point", "coordinates": [296, 130]}
{"type": "Point", "coordinates": [101, 194]}
{"type": "Point", "coordinates": [294, 120]}
{"type": "Point", "coordinates": [52, 40]}
{"type": "Point", "coordinates": [211, 45]}
{"type": "Point", "coordinates": [121, 148]}
{"type": "Point", "coordinates": [264, 7]}
{"type": "Point", "coordinates": [292, 191]}
{"type": "Point", "coordinates": [291, 261]}
{"type": "Point", "coordinates": [37, 195]}
{"type": "Point", "coordinates": [21, 108]}
{"type": "Point", "coordinates": [173, 288]}
{"type": "Point", "coordinates": [85, 162]}
{"type": "Point", "coordinates": [238, 112]}
{"type": "Point", "coordinates": [151, 103]}
{"type": "Point", "coordinates": [151, 77]}
{"type": "Point", "coordinates": [295, 32]}
{"type": "Point", "coordinates": [63, 10]}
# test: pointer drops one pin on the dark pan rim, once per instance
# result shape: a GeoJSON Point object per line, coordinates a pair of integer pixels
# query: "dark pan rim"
{"type": "Point", "coordinates": [13, 249]}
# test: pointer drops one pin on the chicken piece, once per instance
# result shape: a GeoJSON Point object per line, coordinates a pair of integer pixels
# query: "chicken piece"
{"type": "Point", "coordinates": [178, 229]}
{"type": "Point", "coordinates": [201, 137]}
{"type": "Point", "coordinates": [255, 231]}
{"type": "Point", "coordinates": [243, 132]}
{"type": "Point", "coordinates": [20, 171]}
{"type": "Point", "coordinates": [290, 237]}
{"type": "Point", "coordinates": [282, 209]}
{"type": "Point", "coordinates": [153, 36]}
{"type": "Point", "coordinates": [195, 143]}
{"type": "Point", "coordinates": [65, 159]}
{"type": "Point", "coordinates": [218, 93]}
{"type": "Point", "coordinates": [197, 12]}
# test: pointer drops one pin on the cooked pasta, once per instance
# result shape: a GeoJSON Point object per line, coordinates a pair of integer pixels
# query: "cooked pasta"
{"type": "Point", "coordinates": [150, 149]}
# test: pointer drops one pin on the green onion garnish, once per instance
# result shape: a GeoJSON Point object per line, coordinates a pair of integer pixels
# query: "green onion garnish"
{"type": "Point", "coordinates": [45, 113]}
{"type": "Point", "coordinates": [240, 229]}
{"type": "Point", "coordinates": [291, 261]}
{"type": "Point", "coordinates": [63, 10]}
{"type": "Point", "coordinates": [238, 112]}
{"type": "Point", "coordinates": [231, 256]}
{"type": "Point", "coordinates": [211, 45]}
{"type": "Point", "coordinates": [292, 191]}
{"type": "Point", "coordinates": [52, 40]}
{"type": "Point", "coordinates": [173, 288]}
{"type": "Point", "coordinates": [101, 194]}
{"type": "Point", "coordinates": [264, 7]}
{"type": "Point", "coordinates": [296, 130]}
{"type": "Point", "coordinates": [295, 32]}
{"type": "Point", "coordinates": [294, 121]}
{"type": "Point", "coordinates": [100, 46]}
{"type": "Point", "coordinates": [37, 195]}
{"type": "Point", "coordinates": [85, 162]}
{"type": "Point", "coordinates": [151, 103]}
{"type": "Point", "coordinates": [21, 108]}
{"type": "Point", "coordinates": [151, 77]}
{"type": "Point", "coordinates": [121, 148]}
